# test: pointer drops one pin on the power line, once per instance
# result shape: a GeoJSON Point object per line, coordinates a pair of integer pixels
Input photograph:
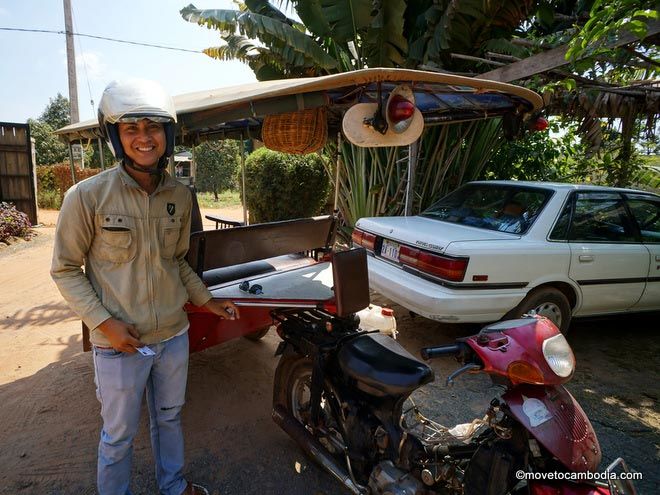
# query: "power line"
{"type": "Point", "coordinates": [152, 45]}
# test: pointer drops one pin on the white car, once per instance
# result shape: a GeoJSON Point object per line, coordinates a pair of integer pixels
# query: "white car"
{"type": "Point", "coordinates": [497, 249]}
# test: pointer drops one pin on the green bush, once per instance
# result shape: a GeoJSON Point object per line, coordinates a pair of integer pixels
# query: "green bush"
{"type": "Point", "coordinates": [45, 177]}
{"type": "Point", "coordinates": [47, 194]}
{"type": "Point", "coordinates": [49, 199]}
{"type": "Point", "coordinates": [280, 186]}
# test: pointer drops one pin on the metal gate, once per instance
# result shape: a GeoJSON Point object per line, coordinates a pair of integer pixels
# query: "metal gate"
{"type": "Point", "coordinates": [18, 181]}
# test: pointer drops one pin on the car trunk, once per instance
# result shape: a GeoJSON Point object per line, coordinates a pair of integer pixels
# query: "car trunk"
{"type": "Point", "coordinates": [426, 233]}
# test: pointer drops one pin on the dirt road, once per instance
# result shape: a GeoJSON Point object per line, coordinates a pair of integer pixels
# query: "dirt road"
{"type": "Point", "coordinates": [49, 417]}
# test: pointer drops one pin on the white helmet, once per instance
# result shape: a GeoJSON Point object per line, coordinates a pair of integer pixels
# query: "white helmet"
{"type": "Point", "coordinates": [131, 100]}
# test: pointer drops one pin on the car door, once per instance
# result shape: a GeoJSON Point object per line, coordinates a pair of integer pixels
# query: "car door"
{"type": "Point", "coordinates": [646, 211]}
{"type": "Point", "coordinates": [608, 261]}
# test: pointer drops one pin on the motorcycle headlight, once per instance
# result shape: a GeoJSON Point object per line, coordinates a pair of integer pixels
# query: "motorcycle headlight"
{"type": "Point", "coordinates": [559, 355]}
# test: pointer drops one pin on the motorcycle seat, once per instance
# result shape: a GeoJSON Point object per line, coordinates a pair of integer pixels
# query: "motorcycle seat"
{"type": "Point", "coordinates": [381, 366]}
{"type": "Point", "coordinates": [219, 276]}
{"type": "Point", "coordinates": [225, 274]}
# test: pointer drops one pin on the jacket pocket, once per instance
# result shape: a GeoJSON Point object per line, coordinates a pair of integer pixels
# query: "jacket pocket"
{"type": "Point", "coordinates": [117, 237]}
{"type": "Point", "coordinates": [169, 232]}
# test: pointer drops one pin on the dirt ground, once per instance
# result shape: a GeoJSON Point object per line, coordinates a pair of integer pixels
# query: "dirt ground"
{"type": "Point", "coordinates": [49, 416]}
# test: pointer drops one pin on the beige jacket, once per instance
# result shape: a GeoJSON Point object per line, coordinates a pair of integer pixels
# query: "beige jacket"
{"type": "Point", "coordinates": [132, 246]}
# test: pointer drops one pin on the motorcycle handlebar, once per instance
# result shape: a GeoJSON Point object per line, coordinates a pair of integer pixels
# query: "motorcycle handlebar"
{"type": "Point", "coordinates": [440, 351]}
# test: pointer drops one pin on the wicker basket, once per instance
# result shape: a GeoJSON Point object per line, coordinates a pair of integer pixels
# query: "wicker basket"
{"type": "Point", "coordinates": [297, 133]}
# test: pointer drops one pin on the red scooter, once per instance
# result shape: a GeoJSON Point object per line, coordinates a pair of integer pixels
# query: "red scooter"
{"type": "Point", "coordinates": [344, 395]}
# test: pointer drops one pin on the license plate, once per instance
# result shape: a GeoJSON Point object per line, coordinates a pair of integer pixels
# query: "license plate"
{"type": "Point", "coordinates": [390, 250]}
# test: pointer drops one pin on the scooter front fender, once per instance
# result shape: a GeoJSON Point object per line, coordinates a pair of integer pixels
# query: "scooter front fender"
{"type": "Point", "coordinates": [555, 419]}
{"type": "Point", "coordinates": [537, 488]}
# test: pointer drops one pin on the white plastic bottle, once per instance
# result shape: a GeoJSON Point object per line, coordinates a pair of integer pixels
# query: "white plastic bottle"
{"type": "Point", "coordinates": [377, 318]}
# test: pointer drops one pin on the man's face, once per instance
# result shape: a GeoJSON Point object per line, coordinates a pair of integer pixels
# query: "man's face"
{"type": "Point", "coordinates": [143, 141]}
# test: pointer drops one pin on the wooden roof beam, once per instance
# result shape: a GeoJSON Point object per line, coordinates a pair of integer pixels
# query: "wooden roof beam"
{"type": "Point", "coordinates": [552, 59]}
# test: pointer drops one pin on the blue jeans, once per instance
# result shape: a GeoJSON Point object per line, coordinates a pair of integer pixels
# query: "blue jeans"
{"type": "Point", "coordinates": [121, 380]}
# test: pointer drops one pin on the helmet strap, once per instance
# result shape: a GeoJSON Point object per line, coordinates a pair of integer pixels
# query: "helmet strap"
{"type": "Point", "coordinates": [162, 163]}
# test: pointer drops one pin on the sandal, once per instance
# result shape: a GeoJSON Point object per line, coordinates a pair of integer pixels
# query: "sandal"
{"type": "Point", "coordinates": [194, 489]}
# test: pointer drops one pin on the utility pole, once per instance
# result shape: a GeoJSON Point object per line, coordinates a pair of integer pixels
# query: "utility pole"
{"type": "Point", "coordinates": [71, 63]}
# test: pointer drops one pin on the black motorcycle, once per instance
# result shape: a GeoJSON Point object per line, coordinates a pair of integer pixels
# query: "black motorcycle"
{"type": "Point", "coordinates": [344, 396]}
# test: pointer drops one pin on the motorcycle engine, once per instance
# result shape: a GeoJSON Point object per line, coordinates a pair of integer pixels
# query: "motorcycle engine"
{"type": "Point", "coordinates": [387, 479]}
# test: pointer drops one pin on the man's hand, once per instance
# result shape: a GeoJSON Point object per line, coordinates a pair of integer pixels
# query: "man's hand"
{"type": "Point", "coordinates": [223, 308]}
{"type": "Point", "coordinates": [123, 336]}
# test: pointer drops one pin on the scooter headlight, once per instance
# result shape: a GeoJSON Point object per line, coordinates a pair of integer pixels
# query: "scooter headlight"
{"type": "Point", "coordinates": [559, 356]}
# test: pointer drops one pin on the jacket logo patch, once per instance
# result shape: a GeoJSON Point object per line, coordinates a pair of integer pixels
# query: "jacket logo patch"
{"type": "Point", "coordinates": [171, 208]}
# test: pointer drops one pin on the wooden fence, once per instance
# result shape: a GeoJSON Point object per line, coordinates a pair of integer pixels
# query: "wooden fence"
{"type": "Point", "coordinates": [18, 183]}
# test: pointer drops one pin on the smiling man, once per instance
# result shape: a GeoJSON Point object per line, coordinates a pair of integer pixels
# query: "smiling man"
{"type": "Point", "coordinates": [130, 227]}
{"type": "Point", "coordinates": [144, 142]}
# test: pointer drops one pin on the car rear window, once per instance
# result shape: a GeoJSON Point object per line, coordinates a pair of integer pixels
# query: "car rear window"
{"type": "Point", "coordinates": [505, 208]}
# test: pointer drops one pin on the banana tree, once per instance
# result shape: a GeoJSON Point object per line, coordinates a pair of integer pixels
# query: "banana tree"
{"type": "Point", "coordinates": [343, 35]}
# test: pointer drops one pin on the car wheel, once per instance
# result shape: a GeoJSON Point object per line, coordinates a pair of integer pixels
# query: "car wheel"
{"type": "Point", "coordinates": [548, 302]}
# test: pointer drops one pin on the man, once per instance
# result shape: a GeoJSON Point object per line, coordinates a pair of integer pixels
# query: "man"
{"type": "Point", "coordinates": [130, 226]}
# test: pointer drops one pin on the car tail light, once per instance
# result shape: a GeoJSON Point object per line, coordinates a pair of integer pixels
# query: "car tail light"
{"type": "Point", "coordinates": [523, 372]}
{"type": "Point", "coordinates": [441, 266]}
{"type": "Point", "coordinates": [364, 239]}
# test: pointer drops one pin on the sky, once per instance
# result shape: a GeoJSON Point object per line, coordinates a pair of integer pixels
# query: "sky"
{"type": "Point", "coordinates": [33, 66]}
